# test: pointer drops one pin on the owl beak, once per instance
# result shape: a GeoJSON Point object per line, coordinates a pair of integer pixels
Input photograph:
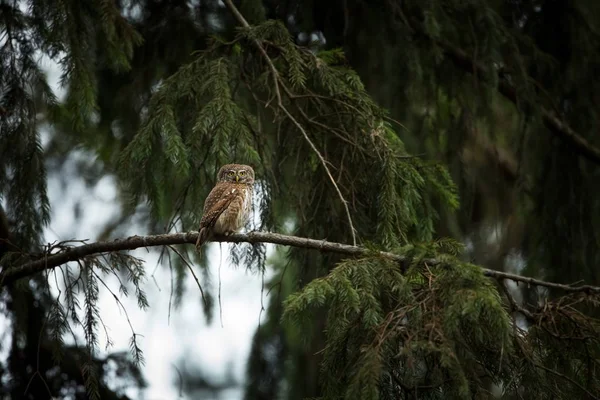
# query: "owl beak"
{"type": "Point", "coordinates": [237, 178]}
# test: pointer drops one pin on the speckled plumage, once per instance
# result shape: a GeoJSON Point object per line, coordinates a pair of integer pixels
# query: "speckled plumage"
{"type": "Point", "coordinates": [228, 205]}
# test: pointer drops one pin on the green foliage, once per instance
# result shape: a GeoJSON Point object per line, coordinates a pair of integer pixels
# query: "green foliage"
{"type": "Point", "coordinates": [222, 118]}
{"type": "Point", "coordinates": [441, 332]}
{"type": "Point", "coordinates": [80, 38]}
{"type": "Point", "coordinates": [220, 112]}
{"type": "Point", "coordinates": [22, 169]}
{"type": "Point", "coordinates": [68, 313]}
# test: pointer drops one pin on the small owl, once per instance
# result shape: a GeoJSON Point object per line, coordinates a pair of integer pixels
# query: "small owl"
{"type": "Point", "coordinates": [227, 207]}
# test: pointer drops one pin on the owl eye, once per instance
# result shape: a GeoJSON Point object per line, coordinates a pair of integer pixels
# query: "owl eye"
{"type": "Point", "coordinates": [230, 173]}
{"type": "Point", "coordinates": [242, 173]}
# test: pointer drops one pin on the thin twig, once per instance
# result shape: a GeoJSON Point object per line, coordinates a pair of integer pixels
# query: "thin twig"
{"type": "Point", "coordinates": [219, 291]}
{"type": "Point", "coordinates": [513, 303]}
{"type": "Point", "coordinates": [12, 274]}
{"type": "Point", "coordinates": [565, 377]}
{"type": "Point", "coordinates": [277, 81]}
{"type": "Point", "coordinates": [186, 262]}
{"type": "Point", "coordinates": [119, 304]}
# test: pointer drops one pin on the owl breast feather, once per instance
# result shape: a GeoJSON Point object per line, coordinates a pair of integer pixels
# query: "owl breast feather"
{"type": "Point", "coordinates": [234, 217]}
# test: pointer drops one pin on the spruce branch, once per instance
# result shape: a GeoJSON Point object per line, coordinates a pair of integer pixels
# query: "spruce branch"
{"type": "Point", "coordinates": [552, 122]}
{"type": "Point", "coordinates": [278, 82]}
{"type": "Point", "coordinates": [535, 364]}
{"type": "Point", "coordinates": [565, 377]}
{"type": "Point", "coordinates": [461, 59]}
{"type": "Point", "coordinates": [50, 261]}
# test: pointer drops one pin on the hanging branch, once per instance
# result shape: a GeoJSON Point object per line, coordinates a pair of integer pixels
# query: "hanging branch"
{"type": "Point", "coordinates": [11, 274]}
{"type": "Point", "coordinates": [461, 59]}
{"type": "Point", "coordinates": [552, 122]}
{"type": "Point", "coordinates": [277, 82]}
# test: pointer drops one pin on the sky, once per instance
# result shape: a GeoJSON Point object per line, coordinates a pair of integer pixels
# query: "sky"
{"type": "Point", "coordinates": [165, 341]}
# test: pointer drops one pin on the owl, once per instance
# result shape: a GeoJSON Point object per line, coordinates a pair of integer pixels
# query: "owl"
{"type": "Point", "coordinates": [228, 205]}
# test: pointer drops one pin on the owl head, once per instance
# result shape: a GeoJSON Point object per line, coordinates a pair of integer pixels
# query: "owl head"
{"type": "Point", "coordinates": [236, 173]}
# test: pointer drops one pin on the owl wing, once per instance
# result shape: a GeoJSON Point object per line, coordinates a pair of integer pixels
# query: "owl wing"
{"type": "Point", "coordinates": [217, 201]}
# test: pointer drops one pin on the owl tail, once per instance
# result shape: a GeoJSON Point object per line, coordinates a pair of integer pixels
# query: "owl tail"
{"type": "Point", "coordinates": [202, 236]}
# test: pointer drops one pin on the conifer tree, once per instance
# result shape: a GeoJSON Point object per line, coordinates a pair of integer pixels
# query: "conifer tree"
{"type": "Point", "coordinates": [366, 123]}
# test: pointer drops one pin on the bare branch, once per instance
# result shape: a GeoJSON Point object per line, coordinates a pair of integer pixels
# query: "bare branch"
{"type": "Point", "coordinates": [12, 274]}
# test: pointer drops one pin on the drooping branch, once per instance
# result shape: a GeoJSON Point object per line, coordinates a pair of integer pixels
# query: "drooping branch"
{"type": "Point", "coordinates": [552, 122]}
{"type": "Point", "coordinates": [50, 261]}
{"type": "Point", "coordinates": [277, 83]}
{"type": "Point", "coordinates": [461, 59]}
{"type": "Point", "coordinates": [5, 236]}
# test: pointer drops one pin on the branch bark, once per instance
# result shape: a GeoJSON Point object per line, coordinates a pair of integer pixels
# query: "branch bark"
{"type": "Point", "coordinates": [48, 262]}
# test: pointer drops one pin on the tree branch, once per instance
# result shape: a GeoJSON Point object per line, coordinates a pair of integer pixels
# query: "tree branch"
{"type": "Point", "coordinates": [277, 82]}
{"type": "Point", "coordinates": [560, 128]}
{"type": "Point", "coordinates": [552, 122]}
{"type": "Point", "coordinates": [12, 274]}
